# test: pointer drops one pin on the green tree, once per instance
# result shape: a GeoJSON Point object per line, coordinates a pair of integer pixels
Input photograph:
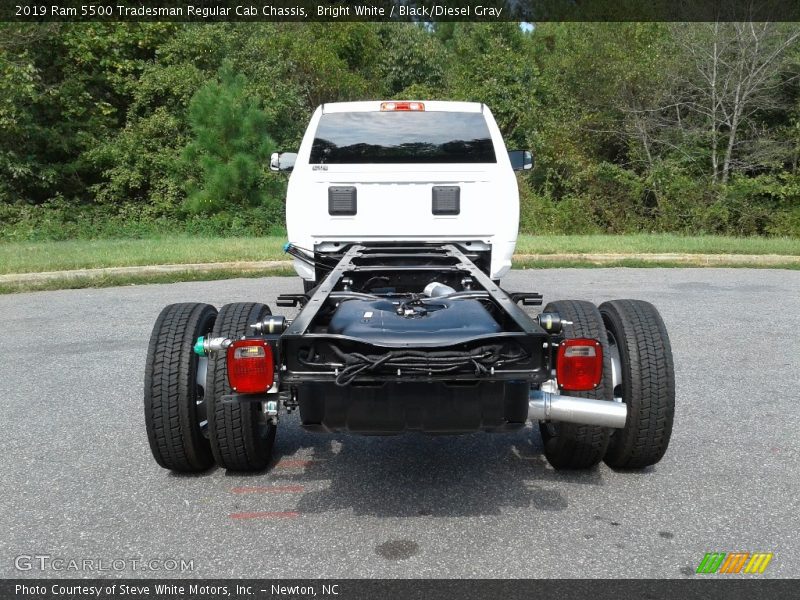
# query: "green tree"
{"type": "Point", "coordinates": [412, 62]}
{"type": "Point", "coordinates": [230, 146]}
{"type": "Point", "coordinates": [114, 128]}
{"type": "Point", "coordinates": [491, 63]}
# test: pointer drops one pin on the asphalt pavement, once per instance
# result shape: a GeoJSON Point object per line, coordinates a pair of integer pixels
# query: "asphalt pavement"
{"type": "Point", "coordinates": [78, 481]}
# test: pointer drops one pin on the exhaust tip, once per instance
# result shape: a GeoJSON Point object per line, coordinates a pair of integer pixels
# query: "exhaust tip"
{"type": "Point", "coordinates": [544, 406]}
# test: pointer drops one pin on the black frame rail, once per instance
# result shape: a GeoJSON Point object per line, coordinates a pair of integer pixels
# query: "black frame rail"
{"type": "Point", "coordinates": [424, 262]}
{"type": "Point", "coordinates": [363, 258]}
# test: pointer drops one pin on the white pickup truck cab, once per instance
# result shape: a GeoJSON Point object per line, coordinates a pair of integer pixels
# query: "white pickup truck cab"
{"type": "Point", "coordinates": [400, 172]}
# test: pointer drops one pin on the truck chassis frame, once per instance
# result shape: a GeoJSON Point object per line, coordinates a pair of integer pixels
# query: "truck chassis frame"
{"type": "Point", "coordinates": [384, 378]}
{"type": "Point", "coordinates": [414, 267]}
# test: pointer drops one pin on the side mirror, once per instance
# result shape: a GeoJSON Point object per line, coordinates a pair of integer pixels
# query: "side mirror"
{"type": "Point", "coordinates": [521, 160]}
{"type": "Point", "coordinates": [282, 161]}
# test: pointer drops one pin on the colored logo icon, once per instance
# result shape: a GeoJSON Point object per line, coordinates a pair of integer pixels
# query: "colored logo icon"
{"type": "Point", "coordinates": [734, 562]}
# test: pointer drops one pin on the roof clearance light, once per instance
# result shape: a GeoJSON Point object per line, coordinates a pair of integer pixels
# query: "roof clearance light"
{"type": "Point", "coordinates": [579, 364]}
{"type": "Point", "coordinates": [390, 106]}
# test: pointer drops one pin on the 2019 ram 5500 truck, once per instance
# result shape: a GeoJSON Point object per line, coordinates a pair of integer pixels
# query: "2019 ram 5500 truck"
{"type": "Point", "coordinates": [402, 218]}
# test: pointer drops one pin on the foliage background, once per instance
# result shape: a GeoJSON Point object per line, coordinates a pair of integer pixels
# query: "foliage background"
{"type": "Point", "coordinates": [135, 129]}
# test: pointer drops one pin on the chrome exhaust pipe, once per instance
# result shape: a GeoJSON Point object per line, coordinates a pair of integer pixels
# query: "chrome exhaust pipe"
{"type": "Point", "coordinates": [544, 406]}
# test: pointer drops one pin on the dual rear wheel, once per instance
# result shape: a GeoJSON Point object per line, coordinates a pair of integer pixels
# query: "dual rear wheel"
{"type": "Point", "coordinates": [638, 370]}
{"type": "Point", "coordinates": [190, 425]}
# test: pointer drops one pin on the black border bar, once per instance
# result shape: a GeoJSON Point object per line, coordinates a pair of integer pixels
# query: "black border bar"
{"type": "Point", "coordinates": [203, 11]}
{"type": "Point", "coordinates": [696, 588]}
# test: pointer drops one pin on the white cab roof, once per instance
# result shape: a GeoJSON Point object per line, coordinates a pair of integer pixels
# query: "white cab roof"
{"type": "Point", "coordinates": [375, 105]}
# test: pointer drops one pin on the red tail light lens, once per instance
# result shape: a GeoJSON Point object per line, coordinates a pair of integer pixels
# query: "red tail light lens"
{"type": "Point", "coordinates": [402, 106]}
{"type": "Point", "coordinates": [250, 366]}
{"type": "Point", "coordinates": [579, 364]}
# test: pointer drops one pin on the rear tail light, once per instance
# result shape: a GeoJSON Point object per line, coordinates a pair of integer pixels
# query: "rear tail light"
{"type": "Point", "coordinates": [402, 106]}
{"type": "Point", "coordinates": [579, 364]}
{"type": "Point", "coordinates": [250, 366]}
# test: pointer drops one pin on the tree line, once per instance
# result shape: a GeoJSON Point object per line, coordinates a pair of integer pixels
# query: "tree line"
{"type": "Point", "coordinates": [139, 128]}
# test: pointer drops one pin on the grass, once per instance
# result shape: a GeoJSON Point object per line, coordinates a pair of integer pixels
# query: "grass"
{"type": "Point", "coordinates": [544, 263]}
{"type": "Point", "coordinates": [99, 281]}
{"type": "Point", "coordinates": [118, 280]}
{"type": "Point", "coordinates": [32, 257]}
{"type": "Point", "coordinates": [656, 244]}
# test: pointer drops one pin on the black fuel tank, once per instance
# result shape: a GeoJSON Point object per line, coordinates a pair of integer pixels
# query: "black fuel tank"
{"type": "Point", "coordinates": [438, 321]}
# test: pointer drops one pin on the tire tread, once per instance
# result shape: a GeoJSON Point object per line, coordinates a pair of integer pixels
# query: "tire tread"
{"type": "Point", "coordinates": [232, 426]}
{"type": "Point", "coordinates": [168, 386]}
{"type": "Point", "coordinates": [579, 446]}
{"type": "Point", "coordinates": [649, 383]}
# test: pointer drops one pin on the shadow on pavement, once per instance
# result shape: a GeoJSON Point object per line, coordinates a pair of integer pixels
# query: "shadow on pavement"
{"type": "Point", "coordinates": [416, 475]}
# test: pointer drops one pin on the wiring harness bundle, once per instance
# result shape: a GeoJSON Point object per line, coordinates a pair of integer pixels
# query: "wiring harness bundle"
{"type": "Point", "coordinates": [480, 360]}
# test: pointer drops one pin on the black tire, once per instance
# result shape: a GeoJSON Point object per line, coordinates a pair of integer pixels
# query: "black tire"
{"type": "Point", "coordinates": [570, 445]}
{"type": "Point", "coordinates": [648, 383]}
{"type": "Point", "coordinates": [241, 439]}
{"type": "Point", "coordinates": [172, 399]}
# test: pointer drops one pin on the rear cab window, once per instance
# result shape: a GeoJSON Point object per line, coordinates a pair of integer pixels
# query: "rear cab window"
{"type": "Point", "coordinates": [402, 137]}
